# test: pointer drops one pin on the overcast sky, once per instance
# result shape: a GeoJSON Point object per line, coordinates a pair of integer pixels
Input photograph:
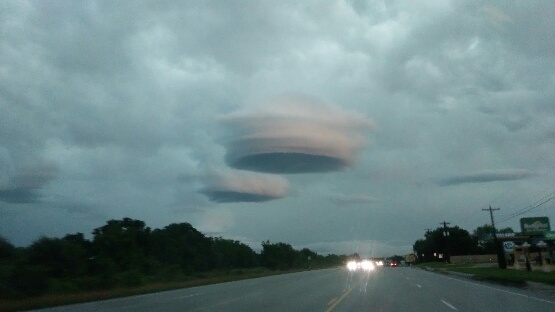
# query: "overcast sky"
{"type": "Point", "coordinates": [341, 126]}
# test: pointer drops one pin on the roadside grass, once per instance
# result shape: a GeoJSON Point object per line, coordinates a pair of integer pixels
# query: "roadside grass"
{"type": "Point", "coordinates": [518, 277]}
{"type": "Point", "coordinates": [442, 265]}
{"type": "Point", "coordinates": [495, 274]}
{"type": "Point", "coordinates": [58, 299]}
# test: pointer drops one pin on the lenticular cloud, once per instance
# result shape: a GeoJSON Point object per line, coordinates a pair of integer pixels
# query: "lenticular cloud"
{"type": "Point", "coordinates": [294, 134]}
{"type": "Point", "coordinates": [235, 186]}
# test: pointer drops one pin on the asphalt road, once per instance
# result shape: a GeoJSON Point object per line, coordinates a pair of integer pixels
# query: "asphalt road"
{"type": "Point", "coordinates": [384, 289]}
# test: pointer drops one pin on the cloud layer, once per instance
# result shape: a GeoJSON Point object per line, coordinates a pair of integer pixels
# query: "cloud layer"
{"type": "Point", "coordinates": [353, 199]}
{"type": "Point", "coordinates": [294, 134]}
{"type": "Point", "coordinates": [230, 186]}
{"type": "Point", "coordinates": [487, 176]}
{"type": "Point", "coordinates": [111, 109]}
{"type": "Point", "coordinates": [25, 186]}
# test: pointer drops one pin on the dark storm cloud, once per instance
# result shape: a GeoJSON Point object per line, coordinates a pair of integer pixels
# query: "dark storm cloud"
{"type": "Point", "coordinates": [232, 187]}
{"type": "Point", "coordinates": [24, 187]}
{"type": "Point", "coordinates": [487, 176]}
{"type": "Point", "coordinates": [288, 162]}
{"type": "Point", "coordinates": [235, 197]}
{"type": "Point", "coordinates": [294, 134]}
{"type": "Point", "coordinates": [20, 195]}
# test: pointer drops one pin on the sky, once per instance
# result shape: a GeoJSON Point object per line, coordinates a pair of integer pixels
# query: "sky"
{"type": "Point", "coordinates": [339, 126]}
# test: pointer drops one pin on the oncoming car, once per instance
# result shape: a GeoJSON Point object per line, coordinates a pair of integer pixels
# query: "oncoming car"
{"type": "Point", "coordinates": [365, 265]}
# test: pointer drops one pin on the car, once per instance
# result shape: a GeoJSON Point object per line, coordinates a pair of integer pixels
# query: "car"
{"type": "Point", "coordinates": [394, 264]}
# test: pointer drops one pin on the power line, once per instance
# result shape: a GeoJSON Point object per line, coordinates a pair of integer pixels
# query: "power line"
{"type": "Point", "coordinates": [541, 158]}
{"type": "Point", "coordinates": [534, 202]}
{"type": "Point", "coordinates": [525, 203]}
{"type": "Point", "coordinates": [529, 207]}
{"type": "Point", "coordinates": [527, 210]}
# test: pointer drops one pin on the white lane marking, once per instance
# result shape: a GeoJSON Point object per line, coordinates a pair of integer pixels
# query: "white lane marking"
{"type": "Point", "coordinates": [228, 301]}
{"type": "Point", "coordinates": [135, 305]}
{"type": "Point", "coordinates": [449, 305]}
{"type": "Point", "coordinates": [419, 286]}
{"type": "Point", "coordinates": [189, 296]}
{"type": "Point", "coordinates": [498, 289]}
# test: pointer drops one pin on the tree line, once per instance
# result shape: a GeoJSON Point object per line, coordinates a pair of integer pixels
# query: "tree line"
{"type": "Point", "coordinates": [125, 253]}
{"type": "Point", "coordinates": [456, 243]}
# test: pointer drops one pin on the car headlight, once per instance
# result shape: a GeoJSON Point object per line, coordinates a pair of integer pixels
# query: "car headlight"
{"type": "Point", "coordinates": [351, 265]}
{"type": "Point", "coordinates": [367, 265]}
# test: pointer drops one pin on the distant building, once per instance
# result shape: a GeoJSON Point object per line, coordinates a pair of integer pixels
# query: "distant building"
{"type": "Point", "coordinates": [410, 258]}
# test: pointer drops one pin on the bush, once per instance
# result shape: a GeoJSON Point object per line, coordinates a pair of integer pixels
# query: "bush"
{"type": "Point", "coordinates": [130, 278]}
{"type": "Point", "coordinates": [29, 280]}
{"type": "Point", "coordinates": [64, 286]}
{"type": "Point", "coordinates": [106, 271]}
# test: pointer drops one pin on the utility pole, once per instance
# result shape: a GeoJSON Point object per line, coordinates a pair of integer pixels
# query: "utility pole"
{"type": "Point", "coordinates": [446, 234]}
{"type": "Point", "coordinates": [501, 261]}
{"type": "Point", "coordinates": [433, 246]}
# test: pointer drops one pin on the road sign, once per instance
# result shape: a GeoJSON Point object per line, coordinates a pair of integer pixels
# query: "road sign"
{"type": "Point", "coordinates": [508, 247]}
{"type": "Point", "coordinates": [535, 226]}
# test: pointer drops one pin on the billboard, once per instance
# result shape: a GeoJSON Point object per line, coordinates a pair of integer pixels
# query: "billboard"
{"type": "Point", "coordinates": [535, 226]}
{"type": "Point", "coordinates": [549, 235]}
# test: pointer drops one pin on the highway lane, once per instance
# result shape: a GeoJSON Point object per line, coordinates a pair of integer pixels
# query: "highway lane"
{"type": "Point", "coordinates": [405, 289]}
{"type": "Point", "coordinates": [385, 289]}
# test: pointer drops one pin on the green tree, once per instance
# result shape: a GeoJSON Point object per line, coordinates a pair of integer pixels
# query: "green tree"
{"type": "Point", "coordinates": [427, 249]}
{"type": "Point", "coordinates": [458, 242]}
{"type": "Point", "coordinates": [58, 257]}
{"type": "Point", "coordinates": [505, 230]}
{"type": "Point", "coordinates": [229, 253]}
{"type": "Point", "coordinates": [44, 260]}
{"type": "Point", "coordinates": [125, 242]}
{"type": "Point", "coordinates": [303, 256]}
{"type": "Point", "coordinates": [483, 232]}
{"type": "Point", "coordinates": [355, 257]}
{"type": "Point", "coordinates": [277, 256]}
{"type": "Point", "coordinates": [333, 260]}
{"type": "Point", "coordinates": [78, 239]}
{"type": "Point", "coordinates": [484, 237]}
{"type": "Point", "coordinates": [183, 246]}
{"type": "Point", "coordinates": [27, 280]}
{"type": "Point", "coordinates": [7, 250]}
{"type": "Point", "coordinates": [8, 259]}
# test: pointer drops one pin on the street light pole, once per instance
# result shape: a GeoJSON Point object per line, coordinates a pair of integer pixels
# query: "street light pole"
{"type": "Point", "coordinates": [446, 234]}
